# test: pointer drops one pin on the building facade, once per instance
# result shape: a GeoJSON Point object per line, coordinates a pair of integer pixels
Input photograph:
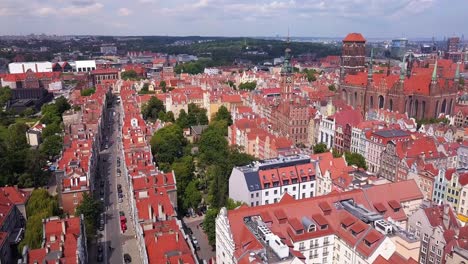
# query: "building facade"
{"type": "Point", "coordinates": [266, 181]}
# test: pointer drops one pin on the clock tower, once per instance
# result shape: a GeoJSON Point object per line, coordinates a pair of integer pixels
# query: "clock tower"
{"type": "Point", "coordinates": [287, 80]}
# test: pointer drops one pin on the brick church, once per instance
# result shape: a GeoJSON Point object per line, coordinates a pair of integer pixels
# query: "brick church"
{"type": "Point", "coordinates": [423, 89]}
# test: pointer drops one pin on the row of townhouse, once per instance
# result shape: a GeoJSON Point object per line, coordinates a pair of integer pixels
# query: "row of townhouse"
{"type": "Point", "coordinates": [358, 226]}
{"type": "Point", "coordinates": [254, 138]}
{"type": "Point", "coordinates": [63, 241]}
{"type": "Point", "coordinates": [153, 193]}
{"type": "Point", "coordinates": [77, 167]}
{"type": "Point", "coordinates": [441, 235]}
{"type": "Point", "coordinates": [12, 220]}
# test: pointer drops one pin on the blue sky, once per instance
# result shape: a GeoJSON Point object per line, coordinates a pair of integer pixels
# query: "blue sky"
{"type": "Point", "coordinates": [322, 18]}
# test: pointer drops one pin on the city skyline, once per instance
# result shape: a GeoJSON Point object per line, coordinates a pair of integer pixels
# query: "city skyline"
{"type": "Point", "coordinates": [374, 19]}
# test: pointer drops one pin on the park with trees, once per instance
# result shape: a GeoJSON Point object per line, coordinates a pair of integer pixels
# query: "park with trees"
{"type": "Point", "coordinates": [203, 175]}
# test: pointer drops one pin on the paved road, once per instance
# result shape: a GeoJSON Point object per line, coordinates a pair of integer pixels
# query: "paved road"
{"type": "Point", "coordinates": [113, 251]}
{"type": "Point", "coordinates": [110, 238]}
{"type": "Point", "coordinates": [205, 251]}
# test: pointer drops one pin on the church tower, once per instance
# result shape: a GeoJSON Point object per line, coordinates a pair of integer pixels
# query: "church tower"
{"type": "Point", "coordinates": [287, 81]}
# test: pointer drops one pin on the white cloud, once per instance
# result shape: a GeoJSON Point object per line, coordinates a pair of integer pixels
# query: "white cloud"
{"type": "Point", "coordinates": [124, 11]}
{"type": "Point", "coordinates": [79, 10]}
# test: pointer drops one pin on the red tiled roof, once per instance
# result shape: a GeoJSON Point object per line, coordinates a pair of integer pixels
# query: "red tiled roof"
{"type": "Point", "coordinates": [380, 207]}
{"type": "Point", "coordinates": [354, 37]}
{"type": "Point", "coordinates": [394, 204]}
{"type": "Point", "coordinates": [324, 206]}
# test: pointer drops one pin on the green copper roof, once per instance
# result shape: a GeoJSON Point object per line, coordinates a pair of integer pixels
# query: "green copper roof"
{"type": "Point", "coordinates": [457, 73]}
{"type": "Point", "coordinates": [402, 69]}
{"type": "Point", "coordinates": [287, 68]}
{"type": "Point", "coordinates": [434, 73]}
{"type": "Point", "coordinates": [370, 71]}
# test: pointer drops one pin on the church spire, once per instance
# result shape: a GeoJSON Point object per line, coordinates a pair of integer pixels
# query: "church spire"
{"type": "Point", "coordinates": [287, 68]}
{"type": "Point", "coordinates": [370, 72]}
{"type": "Point", "coordinates": [402, 69]}
{"type": "Point", "coordinates": [409, 66]}
{"type": "Point", "coordinates": [434, 73]}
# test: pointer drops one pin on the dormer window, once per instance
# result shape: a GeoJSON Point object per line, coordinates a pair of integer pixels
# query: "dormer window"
{"type": "Point", "coordinates": [312, 228]}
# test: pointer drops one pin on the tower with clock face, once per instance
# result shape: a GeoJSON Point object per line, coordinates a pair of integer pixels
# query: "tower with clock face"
{"type": "Point", "coordinates": [287, 81]}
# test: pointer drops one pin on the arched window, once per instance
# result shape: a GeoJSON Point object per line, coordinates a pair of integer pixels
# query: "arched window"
{"type": "Point", "coordinates": [371, 102]}
{"type": "Point", "coordinates": [416, 105]}
{"type": "Point", "coordinates": [443, 108]}
{"type": "Point", "coordinates": [344, 95]}
{"type": "Point", "coordinates": [449, 110]}
{"type": "Point", "coordinates": [423, 109]}
{"type": "Point", "coordinates": [436, 109]}
{"type": "Point", "coordinates": [390, 107]}
{"type": "Point", "coordinates": [381, 102]}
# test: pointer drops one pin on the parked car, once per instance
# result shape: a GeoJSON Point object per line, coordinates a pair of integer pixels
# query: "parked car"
{"type": "Point", "coordinates": [101, 191]}
{"type": "Point", "coordinates": [120, 200]}
{"type": "Point", "coordinates": [119, 186]}
{"type": "Point", "coordinates": [195, 243]}
{"type": "Point", "coordinates": [101, 183]}
{"type": "Point", "coordinates": [121, 213]}
{"type": "Point", "coordinates": [127, 258]}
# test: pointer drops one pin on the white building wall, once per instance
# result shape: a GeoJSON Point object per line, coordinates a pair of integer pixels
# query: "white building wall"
{"type": "Point", "coordinates": [22, 67]}
{"type": "Point", "coordinates": [85, 65]}
{"type": "Point", "coordinates": [238, 189]}
{"type": "Point", "coordinates": [224, 240]}
{"type": "Point", "coordinates": [326, 132]}
{"type": "Point", "coordinates": [317, 250]}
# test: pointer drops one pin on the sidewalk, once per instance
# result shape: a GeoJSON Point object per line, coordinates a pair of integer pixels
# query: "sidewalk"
{"type": "Point", "coordinates": [129, 242]}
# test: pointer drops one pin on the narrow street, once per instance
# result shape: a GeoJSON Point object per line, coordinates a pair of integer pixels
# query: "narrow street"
{"type": "Point", "coordinates": [114, 242]}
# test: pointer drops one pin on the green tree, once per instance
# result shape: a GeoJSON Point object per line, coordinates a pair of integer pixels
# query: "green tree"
{"type": "Point", "coordinates": [310, 73]}
{"type": "Point", "coordinates": [52, 146]}
{"type": "Point", "coordinates": [62, 104]}
{"type": "Point", "coordinates": [332, 87]}
{"type": "Point", "coordinates": [90, 208]}
{"type": "Point", "coordinates": [213, 147]}
{"type": "Point", "coordinates": [5, 95]}
{"type": "Point", "coordinates": [162, 84]}
{"type": "Point", "coordinates": [51, 129]}
{"type": "Point", "coordinates": [170, 117]}
{"type": "Point", "coordinates": [196, 115]}
{"type": "Point", "coordinates": [209, 225]}
{"type": "Point", "coordinates": [152, 108]}
{"type": "Point", "coordinates": [50, 114]}
{"type": "Point", "coordinates": [28, 112]}
{"type": "Point", "coordinates": [40, 206]}
{"type": "Point", "coordinates": [336, 153]}
{"type": "Point", "coordinates": [320, 148]}
{"type": "Point", "coordinates": [356, 159]}
{"type": "Point", "coordinates": [223, 114]}
{"type": "Point", "coordinates": [34, 174]}
{"type": "Point", "coordinates": [248, 86]}
{"type": "Point", "coordinates": [129, 75]}
{"type": "Point", "coordinates": [192, 196]}
{"type": "Point", "coordinates": [88, 92]}
{"type": "Point", "coordinates": [167, 143]}
{"type": "Point", "coordinates": [182, 121]}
